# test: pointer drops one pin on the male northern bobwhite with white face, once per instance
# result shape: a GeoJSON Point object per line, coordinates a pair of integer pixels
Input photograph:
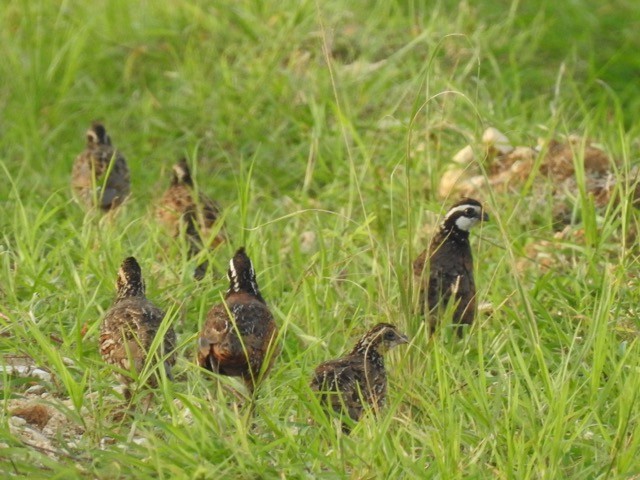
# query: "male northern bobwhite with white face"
{"type": "Point", "coordinates": [445, 269]}
{"type": "Point", "coordinates": [180, 210]}
{"type": "Point", "coordinates": [239, 344]}
{"type": "Point", "coordinates": [89, 181]}
{"type": "Point", "coordinates": [343, 384]}
{"type": "Point", "coordinates": [131, 324]}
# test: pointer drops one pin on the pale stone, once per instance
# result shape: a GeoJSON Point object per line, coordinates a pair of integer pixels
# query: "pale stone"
{"type": "Point", "coordinates": [495, 139]}
{"type": "Point", "coordinates": [448, 181]}
{"type": "Point", "coordinates": [17, 421]}
{"type": "Point", "coordinates": [35, 390]}
{"type": "Point", "coordinates": [464, 156]}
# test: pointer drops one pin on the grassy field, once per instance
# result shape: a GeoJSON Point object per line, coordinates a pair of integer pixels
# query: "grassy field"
{"type": "Point", "coordinates": [323, 128]}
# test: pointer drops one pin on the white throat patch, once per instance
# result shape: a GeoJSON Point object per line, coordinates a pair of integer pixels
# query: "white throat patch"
{"type": "Point", "coordinates": [463, 222]}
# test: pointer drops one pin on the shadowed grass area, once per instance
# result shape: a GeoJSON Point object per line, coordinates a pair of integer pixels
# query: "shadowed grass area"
{"type": "Point", "coordinates": [323, 129]}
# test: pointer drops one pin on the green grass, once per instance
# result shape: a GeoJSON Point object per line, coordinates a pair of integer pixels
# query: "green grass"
{"type": "Point", "coordinates": [334, 119]}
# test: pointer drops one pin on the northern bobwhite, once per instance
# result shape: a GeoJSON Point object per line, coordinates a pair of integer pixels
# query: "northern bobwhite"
{"type": "Point", "coordinates": [445, 270]}
{"type": "Point", "coordinates": [238, 334]}
{"type": "Point", "coordinates": [180, 210]}
{"type": "Point", "coordinates": [130, 326]}
{"type": "Point", "coordinates": [100, 175]}
{"type": "Point", "coordinates": [343, 384]}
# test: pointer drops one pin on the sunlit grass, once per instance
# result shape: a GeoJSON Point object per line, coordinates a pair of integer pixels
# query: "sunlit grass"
{"type": "Point", "coordinates": [323, 130]}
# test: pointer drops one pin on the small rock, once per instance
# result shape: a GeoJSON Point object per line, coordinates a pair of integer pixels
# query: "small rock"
{"type": "Point", "coordinates": [18, 370]}
{"type": "Point", "coordinates": [449, 181]}
{"type": "Point", "coordinates": [17, 421]}
{"type": "Point", "coordinates": [464, 156]}
{"type": "Point", "coordinates": [68, 362]}
{"type": "Point", "coordinates": [41, 374]}
{"type": "Point", "coordinates": [35, 440]}
{"type": "Point", "coordinates": [143, 442]}
{"type": "Point", "coordinates": [495, 140]}
{"type": "Point", "coordinates": [36, 390]}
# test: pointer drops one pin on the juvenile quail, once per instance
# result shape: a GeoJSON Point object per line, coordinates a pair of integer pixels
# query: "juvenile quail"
{"type": "Point", "coordinates": [343, 384]}
{"type": "Point", "coordinates": [180, 210]}
{"type": "Point", "coordinates": [100, 175]}
{"type": "Point", "coordinates": [445, 270]}
{"type": "Point", "coordinates": [130, 326]}
{"type": "Point", "coordinates": [238, 335]}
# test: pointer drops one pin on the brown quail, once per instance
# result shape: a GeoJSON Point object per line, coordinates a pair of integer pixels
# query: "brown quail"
{"type": "Point", "coordinates": [181, 210]}
{"type": "Point", "coordinates": [100, 175]}
{"type": "Point", "coordinates": [343, 384]}
{"type": "Point", "coordinates": [238, 335]}
{"type": "Point", "coordinates": [130, 326]}
{"type": "Point", "coordinates": [445, 270]}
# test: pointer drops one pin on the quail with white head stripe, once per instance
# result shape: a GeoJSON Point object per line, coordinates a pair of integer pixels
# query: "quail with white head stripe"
{"type": "Point", "coordinates": [130, 326]}
{"type": "Point", "coordinates": [100, 175]}
{"type": "Point", "coordinates": [444, 271]}
{"type": "Point", "coordinates": [239, 334]}
{"type": "Point", "coordinates": [183, 211]}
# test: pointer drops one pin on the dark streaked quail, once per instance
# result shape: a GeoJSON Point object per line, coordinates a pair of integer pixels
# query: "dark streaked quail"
{"type": "Point", "coordinates": [181, 210]}
{"type": "Point", "coordinates": [130, 326]}
{"type": "Point", "coordinates": [444, 271]}
{"type": "Point", "coordinates": [100, 175]}
{"type": "Point", "coordinates": [345, 383]}
{"type": "Point", "coordinates": [238, 335]}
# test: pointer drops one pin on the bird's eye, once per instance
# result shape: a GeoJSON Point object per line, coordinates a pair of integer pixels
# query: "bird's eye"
{"type": "Point", "coordinates": [469, 212]}
{"type": "Point", "coordinates": [389, 335]}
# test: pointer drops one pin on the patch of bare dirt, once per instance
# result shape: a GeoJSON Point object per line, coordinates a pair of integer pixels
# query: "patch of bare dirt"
{"type": "Point", "coordinates": [550, 165]}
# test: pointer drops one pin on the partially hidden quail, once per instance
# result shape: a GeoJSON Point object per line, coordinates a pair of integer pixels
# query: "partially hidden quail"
{"type": "Point", "coordinates": [130, 326]}
{"type": "Point", "coordinates": [444, 271]}
{"type": "Point", "coordinates": [184, 212]}
{"type": "Point", "coordinates": [345, 383]}
{"type": "Point", "coordinates": [238, 335]}
{"type": "Point", "coordinates": [100, 175]}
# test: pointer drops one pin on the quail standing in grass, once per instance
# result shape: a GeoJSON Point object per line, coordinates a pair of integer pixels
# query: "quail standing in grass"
{"type": "Point", "coordinates": [238, 335]}
{"type": "Point", "coordinates": [100, 175]}
{"type": "Point", "coordinates": [184, 212]}
{"type": "Point", "coordinates": [130, 326]}
{"type": "Point", "coordinates": [345, 383]}
{"type": "Point", "coordinates": [444, 271]}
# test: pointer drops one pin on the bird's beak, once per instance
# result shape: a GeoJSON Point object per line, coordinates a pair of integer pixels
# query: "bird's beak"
{"type": "Point", "coordinates": [485, 217]}
{"type": "Point", "coordinates": [403, 339]}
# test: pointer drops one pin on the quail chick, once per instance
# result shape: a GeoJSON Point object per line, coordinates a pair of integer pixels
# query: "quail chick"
{"type": "Point", "coordinates": [343, 384]}
{"type": "Point", "coordinates": [238, 334]}
{"type": "Point", "coordinates": [130, 326]}
{"type": "Point", "coordinates": [181, 211]}
{"type": "Point", "coordinates": [445, 270]}
{"type": "Point", "coordinates": [100, 175]}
